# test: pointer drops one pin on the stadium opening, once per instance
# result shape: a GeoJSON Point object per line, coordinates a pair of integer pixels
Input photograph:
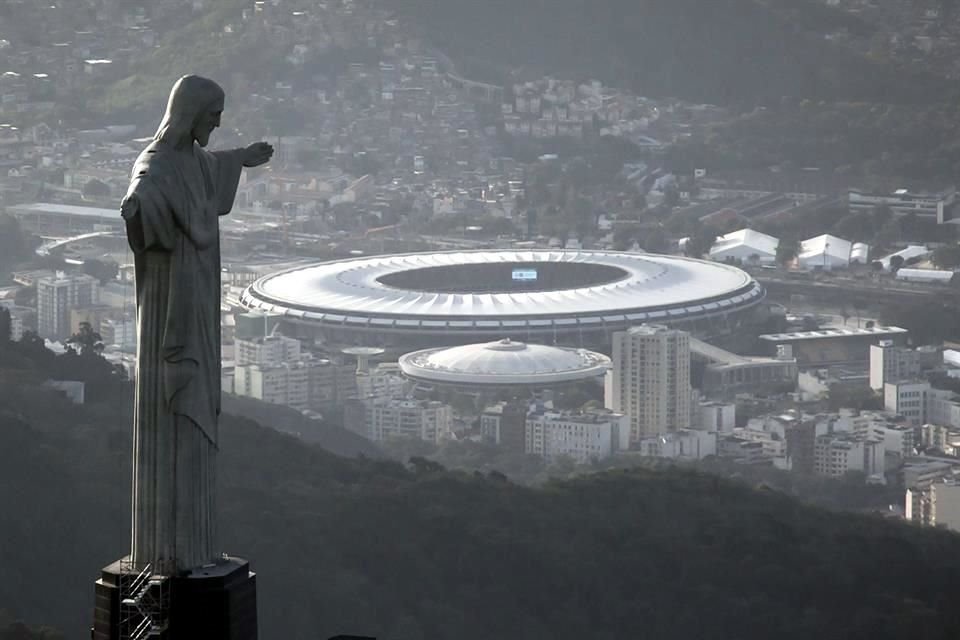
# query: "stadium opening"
{"type": "Point", "coordinates": [571, 298]}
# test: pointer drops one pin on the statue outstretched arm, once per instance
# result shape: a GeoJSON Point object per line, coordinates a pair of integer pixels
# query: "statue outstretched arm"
{"type": "Point", "coordinates": [228, 166]}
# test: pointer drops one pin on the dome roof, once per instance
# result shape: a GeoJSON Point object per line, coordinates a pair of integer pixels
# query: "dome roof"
{"type": "Point", "coordinates": [503, 362]}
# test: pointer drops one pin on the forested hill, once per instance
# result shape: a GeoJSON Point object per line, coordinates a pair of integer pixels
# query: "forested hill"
{"type": "Point", "coordinates": [373, 547]}
{"type": "Point", "coordinates": [722, 51]}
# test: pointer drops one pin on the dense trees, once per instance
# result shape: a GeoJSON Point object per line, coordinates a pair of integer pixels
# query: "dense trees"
{"type": "Point", "coordinates": [947, 257]}
{"type": "Point", "coordinates": [724, 51]}
{"type": "Point", "coordinates": [419, 552]}
{"type": "Point", "coordinates": [101, 270]}
{"type": "Point", "coordinates": [929, 322]}
{"type": "Point", "coordinates": [788, 249]}
{"type": "Point", "coordinates": [82, 362]}
{"type": "Point", "coordinates": [85, 341]}
{"type": "Point", "coordinates": [15, 245]}
{"type": "Point", "coordinates": [871, 145]}
{"type": "Point", "coordinates": [15, 630]}
{"type": "Point", "coordinates": [415, 551]}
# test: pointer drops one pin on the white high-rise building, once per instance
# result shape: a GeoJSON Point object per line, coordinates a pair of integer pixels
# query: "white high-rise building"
{"type": "Point", "coordinates": [274, 369]}
{"type": "Point", "coordinates": [892, 363]}
{"type": "Point", "coordinates": [382, 419]}
{"type": "Point", "coordinates": [650, 380]}
{"type": "Point", "coordinates": [268, 351]}
{"type": "Point", "coordinates": [836, 454]}
{"type": "Point", "coordinates": [920, 403]}
{"type": "Point", "coordinates": [582, 436]}
{"type": "Point", "coordinates": [57, 295]}
{"type": "Point", "coordinates": [120, 332]}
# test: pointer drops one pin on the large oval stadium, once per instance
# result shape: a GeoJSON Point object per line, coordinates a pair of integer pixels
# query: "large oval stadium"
{"type": "Point", "coordinates": [573, 298]}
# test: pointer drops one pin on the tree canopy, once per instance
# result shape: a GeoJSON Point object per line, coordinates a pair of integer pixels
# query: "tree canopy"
{"type": "Point", "coordinates": [415, 551]}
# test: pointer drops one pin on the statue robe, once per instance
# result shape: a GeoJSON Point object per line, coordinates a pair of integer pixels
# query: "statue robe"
{"type": "Point", "coordinates": [174, 234]}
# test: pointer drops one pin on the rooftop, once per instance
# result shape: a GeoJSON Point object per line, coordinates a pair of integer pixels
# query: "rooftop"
{"type": "Point", "coordinates": [504, 362]}
{"type": "Point", "coordinates": [51, 208]}
{"type": "Point", "coordinates": [832, 333]}
{"type": "Point", "coordinates": [760, 242]}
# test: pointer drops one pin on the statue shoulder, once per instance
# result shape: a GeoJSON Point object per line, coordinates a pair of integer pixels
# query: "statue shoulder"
{"type": "Point", "coordinates": [156, 161]}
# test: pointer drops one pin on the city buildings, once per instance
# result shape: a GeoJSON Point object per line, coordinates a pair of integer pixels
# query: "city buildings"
{"type": "Point", "coordinates": [57, 295]}
{"type": "Point", "coordinates": [717, 416]}
{"type": "Point", "coordinates": [919, 402]}
{"type": "Point", "coordinates": [940, 437]}
{"type": "Point", "coordinates": [381, 419]}
{"type": "Point", "coordinates": [686, 444]}
{"type": "Point", "coordinates": [120, 332]}
{"type": "Point", "coordinates": [833, 346]}
{"type": "Point", "coordinates": [935, 205]}
{"type": "Point", "coordinates": [650, 380]}
{"type": "Point", "coordinates": [892, 363]}
{"type": "Point", "coordinates": [726, 372]}
{"type": "Point", "coordinates": [580, 436]}
{"type": "Point", "coordinates": [505, 423]}
{"type": "Point", "coordinates": [920, 478]}
{"type": "Point", "coordinates": [837, 454]}
{"type": "Point", "coordinates": [275, 369]}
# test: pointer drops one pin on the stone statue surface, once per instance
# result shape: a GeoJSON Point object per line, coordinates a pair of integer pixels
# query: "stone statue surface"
{"type": "Point", "coordinates": [178, 191]}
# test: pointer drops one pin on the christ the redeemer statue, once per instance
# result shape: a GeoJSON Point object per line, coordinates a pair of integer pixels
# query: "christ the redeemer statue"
{"type": "Point", "coordinates": [177, 193]}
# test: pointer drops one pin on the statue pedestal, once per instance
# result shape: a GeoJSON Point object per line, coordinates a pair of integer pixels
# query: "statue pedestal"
{"type": "Point", "coordinates": [214, 602]}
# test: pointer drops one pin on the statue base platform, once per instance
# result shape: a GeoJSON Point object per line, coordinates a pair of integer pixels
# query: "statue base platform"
{"type": "Point", "coordinates": [212, 602]}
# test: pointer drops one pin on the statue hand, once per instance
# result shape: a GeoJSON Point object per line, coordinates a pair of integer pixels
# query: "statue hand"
{"type": "Point", "coordinates": [257, 154]}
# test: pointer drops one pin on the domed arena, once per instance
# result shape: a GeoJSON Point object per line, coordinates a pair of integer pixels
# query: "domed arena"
{"type": "Point", "coordinates": [503, 363]}
{"type": "Point", "coordinates": [572, 298]}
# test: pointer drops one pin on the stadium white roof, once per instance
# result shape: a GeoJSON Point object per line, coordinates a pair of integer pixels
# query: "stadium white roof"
{"type": "Point", "coordinates": [825, 250]}
{"type": "Point", "coordinates": [860, 252]}
{"type": "Point", "coordinates": [925, 275]}
{"type": "Point", "coordinates": [908, 253]}
{"type": "Point", "coordinates": [820, 334]}
{"type": "Point", "coordinates": [51, 208]}
{"type": "Point", "coordinates": [503, 362]}
{"type": "Point", "coordinates": [653, 288]}
{"type": "Point", "coordinates": [745, 241]}
{"type": "Point", "coordinates": [831, 245]}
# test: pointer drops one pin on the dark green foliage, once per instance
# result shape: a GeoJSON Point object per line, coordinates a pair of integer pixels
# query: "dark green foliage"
{"type": "Point", "coordinates": [862, 399]}
{"type": "Point", "coordinates": [324, 432]}
{"type": "Point", "coordinates": [101, 270]}
{"type": "Point", "coordinates": [5, 328]}
{"type": "Point", "coordinates": [722, 51]}
{"type": "Point", "coordinates": [15, 630]}
{"type": "Point", "coordinates": [870, 145]}
{"type": "Point", "coordinates": [85, 341]}
{"type": "Point", "coordinates": [929, 322]}
{"type": "Point", "coordinates": [15, 245]}
{"type": "Point", "coordinates": [947, 257]}
{"type": "Point", "coordinates": [374, 547]}
{"type": "Point", "coordinates": [29, 359]}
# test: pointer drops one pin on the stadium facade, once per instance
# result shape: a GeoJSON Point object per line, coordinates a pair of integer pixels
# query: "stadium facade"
{"type": "Point", "coordinates": [570, 298]}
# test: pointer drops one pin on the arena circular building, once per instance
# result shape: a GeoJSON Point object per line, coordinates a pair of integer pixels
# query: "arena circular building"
{"type": "Point", "coordinates": [504, 363]}
{"type": "Point", "coordinates": [574, 298]}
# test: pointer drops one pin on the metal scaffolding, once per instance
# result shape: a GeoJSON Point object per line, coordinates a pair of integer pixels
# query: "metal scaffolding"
{"type": "Point", "coordinates": [144, 602]}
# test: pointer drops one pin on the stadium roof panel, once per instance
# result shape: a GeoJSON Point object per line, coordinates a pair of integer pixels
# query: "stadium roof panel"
{"type": "Point", "coordinates": [660, 285]}
{"type": "Point", "coordinates": [504, 362]}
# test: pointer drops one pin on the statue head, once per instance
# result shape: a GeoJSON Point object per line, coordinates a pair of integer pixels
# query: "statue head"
{"type": "Point", "coordinates": [193, 112]}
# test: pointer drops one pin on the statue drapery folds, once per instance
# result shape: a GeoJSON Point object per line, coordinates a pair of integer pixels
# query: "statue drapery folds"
{"type": "Point", "coordinates": [177, 193]}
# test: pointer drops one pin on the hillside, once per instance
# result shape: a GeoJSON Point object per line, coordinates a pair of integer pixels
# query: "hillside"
{"type": "Point", "coordinates": [722, 51]}
{"type": "Point", "coordinates": [373, 547]}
